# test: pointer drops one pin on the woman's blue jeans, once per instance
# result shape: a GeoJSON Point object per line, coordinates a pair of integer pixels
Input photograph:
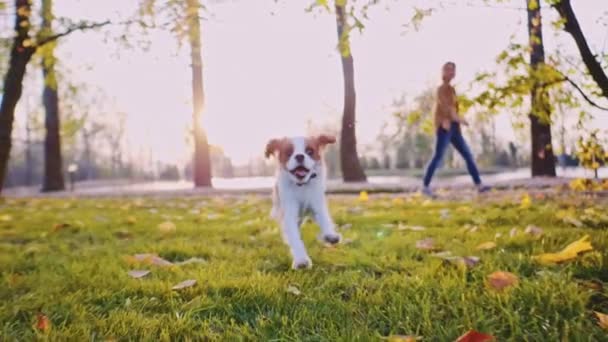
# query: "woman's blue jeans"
{"type": "Point", "coordinates": [444, 138]}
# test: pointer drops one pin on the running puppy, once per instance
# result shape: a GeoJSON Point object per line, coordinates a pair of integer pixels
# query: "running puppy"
{"type": "Point", "coordinates": [299, 189]}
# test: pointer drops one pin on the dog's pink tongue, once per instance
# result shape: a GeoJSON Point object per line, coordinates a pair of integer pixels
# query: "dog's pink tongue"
{"type": "Point", "coordinates": [301, 172]}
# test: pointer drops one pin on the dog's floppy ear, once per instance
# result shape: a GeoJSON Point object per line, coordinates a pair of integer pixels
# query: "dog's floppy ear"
{"type": "Point", "coordinates": [272, 146]}
{"type": "Point", "coordinates": [325, 139]}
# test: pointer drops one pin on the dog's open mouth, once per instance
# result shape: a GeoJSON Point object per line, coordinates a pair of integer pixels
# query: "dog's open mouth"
{"type": "Point", "coordinates": [300, 172]}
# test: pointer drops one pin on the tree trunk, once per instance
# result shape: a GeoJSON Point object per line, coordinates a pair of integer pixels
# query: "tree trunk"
{"type": "Point", "coordinates": [351, 167]}
{"type": "Point", "coordinates": [571, 25]}
{"type": "Point", "coordinates": [202, 161]}
{"type": "Point", "coordinates": [29, 158]}
{"type": "Point", "coordinates": [543, 160]}
{"type": "Point", "coordinates": [53, 161]}
{"type": "Point", "coordinates": [21, 53]}
{"type": "Point", "coordinates": [86, 139]}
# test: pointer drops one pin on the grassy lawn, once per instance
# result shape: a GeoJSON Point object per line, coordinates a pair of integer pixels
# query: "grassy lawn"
{"type": "Point", "coordinates": [68, 261]}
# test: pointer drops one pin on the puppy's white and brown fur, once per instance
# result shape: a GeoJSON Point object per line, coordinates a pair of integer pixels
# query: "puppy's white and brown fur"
{"type": "Point", "coordinates": [299, 189]}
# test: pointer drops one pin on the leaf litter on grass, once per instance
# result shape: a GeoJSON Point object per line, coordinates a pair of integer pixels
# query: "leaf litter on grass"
{"type": "Point", "coordinates": [602, 320]}
{"type": "Point", "coordinates": [502, 280]}
{"type": "Point", "coordinates": [486, 246]}
{"type": "Point", "coordinates": [137, 274]}
{"type": "Point", "coordinates": [475, 336]}
{"type": "Point", "coordinates": [151, 259]}
{"type": "Point", "coordinates": [427, 244]}
{"type": "Point", "coordinates": [570, 252]}
{"type": "Point", "coordinates": [184, 285]}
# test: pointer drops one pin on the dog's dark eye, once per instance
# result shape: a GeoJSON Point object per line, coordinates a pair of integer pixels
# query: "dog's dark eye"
{"type": "Point", "coordinates": [310, 151]}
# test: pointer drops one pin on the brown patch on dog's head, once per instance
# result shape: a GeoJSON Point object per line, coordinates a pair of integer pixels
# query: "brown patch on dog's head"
{"type": "Point", "coordinates": [315, 145]}
{"type": "Point", "coordinates": [283, 148]}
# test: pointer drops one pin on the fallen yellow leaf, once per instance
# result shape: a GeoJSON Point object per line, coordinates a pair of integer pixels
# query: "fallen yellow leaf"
{"type": "Point", "coordinates": [131, 220]}
{"type": "Point", "coordinates": [501, 280]}
{"type": "Point", "coordinates": [398, 201]}
{"type": "Point", "coordinates": [6, 218]}
{"type": "Point", "coordinates": [568, 253]}
{"type": "Point", "coordinates": [363, 196]}
{"type": "Point", "coordinates": [602, 320]}
{"type": "Point", "coordinates": [486, 246]}
{"type": "Point", "coordinates": [526, 202]}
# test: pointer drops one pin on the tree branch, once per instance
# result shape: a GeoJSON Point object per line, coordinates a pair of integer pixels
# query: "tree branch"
{"type": "Point", "coordinates": [81, 27]}
{"type": "Point", "coordinates": [571, 25]}
{"type": "Point", "coordinates": [589, 100]}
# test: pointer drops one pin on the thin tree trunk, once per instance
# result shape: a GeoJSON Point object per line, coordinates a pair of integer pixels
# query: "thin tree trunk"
{"type": "Point", "coordinates": [29, 159]}
{"type": "Point", "coordinates": [202, 161]}
{"type": "Point", "coordinates": [571, 25]}
{"type": "Point", "coordinates": [86, 139]}
{"type": "Point", "coordinates": [351, 166]}
{"type": "Point", "coordinates": [543, 160]}
{"type": "Point", "coordinates": [21, 53]}
{"type": "Point", "coordinates": [53, 161]}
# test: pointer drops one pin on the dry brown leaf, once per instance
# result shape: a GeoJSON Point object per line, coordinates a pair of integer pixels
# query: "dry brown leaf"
{"type": "Point", "coordinates": [412, 228]}
{"type": "Point", "coordinates": [513, 232]}
{"type": "Point", "coordinates": [60, 226]}
{"type": "Point", "coordinates": [594, 285]}
{"type": "Point", "coordinates": [293, 290]}
{"type": "Point", "coordinates": [345, 226]}
{"type": "Point", "coordinates": [138, 273]}
{"type": "Point", "coordinates": [602, 320]}
{"type": "Point", "coordinates": [194, 260]}
{"type": "Point", "coordinates": [184, 284]}
{"type": "Point", "coordinates": [123, 234]}
{"type": "Point", "coordinates": [475, 336]}
{"type": "Point", "coordinates": [471, 261]}
{"type": "Point", "coordinates": [573, 221]}
{"type": "Point", "coordinates": [347, 241]}
{"type": "Point", "coordinates": [533, 230]}
{"type": "Point", "coordinates": [42, 322]}
{"type": "Point", "coordinates": [167, 227]}
{"type": "Point", "coordinates": [152, 259]}
{"type": "Point", "coordinates": [486, 246]}
{"type": "Point", "coordinates": [427, 244]}
{"type": "Point", "coordinates": [501, 280]}
{"type": "Point", "coordinates": [468, 261]}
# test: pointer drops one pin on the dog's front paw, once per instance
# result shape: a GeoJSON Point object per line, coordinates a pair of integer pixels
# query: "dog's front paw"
{"type": "Point", "coordinates": [332, 239]}
{"type": "Point", "coordinates": [301, 264]}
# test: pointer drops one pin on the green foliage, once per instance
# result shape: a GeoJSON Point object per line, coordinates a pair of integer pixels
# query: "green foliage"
{"type": "Point", "coordinates": [591, 151]}
{"type": "Point", "coordinates": [171, 15]}
{"type": "Point", "coordinates": [418, 17]}
{"type": "Point", "coordinates": [68, 259]}
{"type": "Point", "coordinates": [354, 14]}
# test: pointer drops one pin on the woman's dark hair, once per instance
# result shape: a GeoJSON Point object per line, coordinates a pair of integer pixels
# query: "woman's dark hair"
{"type": "Point", "coordinates": [450, 63]}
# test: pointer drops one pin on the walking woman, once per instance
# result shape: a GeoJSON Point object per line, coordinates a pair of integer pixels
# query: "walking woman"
{"type": "Point", "coordinates": [448, 128]}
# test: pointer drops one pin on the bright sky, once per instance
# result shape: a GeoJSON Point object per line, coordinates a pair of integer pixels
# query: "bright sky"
{"type": "Point", "coordinates": [270, 68]}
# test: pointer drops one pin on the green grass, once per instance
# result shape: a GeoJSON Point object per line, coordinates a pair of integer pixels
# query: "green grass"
{"type": "Point", "coordinates": [378, 285]}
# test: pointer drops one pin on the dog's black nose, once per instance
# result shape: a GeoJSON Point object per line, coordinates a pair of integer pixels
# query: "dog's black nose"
{"type": "Point", "coordinates": [299, 158]}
